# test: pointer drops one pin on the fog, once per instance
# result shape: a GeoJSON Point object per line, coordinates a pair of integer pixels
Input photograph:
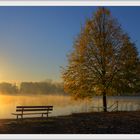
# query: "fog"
{"type": "Point", "coordinates": [51, 93]}
{"type": "Point", "coordinates": [63, 105]}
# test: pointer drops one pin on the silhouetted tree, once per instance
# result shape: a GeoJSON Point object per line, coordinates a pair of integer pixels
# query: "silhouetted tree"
{"type": "Point", "coordinates": [41, 88]}
{"type": "Point", "coordinates": [8, 88]}
{"type": "Point", "coordinates": [103, 60]}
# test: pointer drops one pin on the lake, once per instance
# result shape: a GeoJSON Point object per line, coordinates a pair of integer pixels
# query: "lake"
{"type": "Point", "coordinates": [65, 105]}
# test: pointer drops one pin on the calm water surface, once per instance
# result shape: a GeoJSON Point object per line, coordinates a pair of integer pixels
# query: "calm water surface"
{"type": "Point", "coordinates": [64, 105]}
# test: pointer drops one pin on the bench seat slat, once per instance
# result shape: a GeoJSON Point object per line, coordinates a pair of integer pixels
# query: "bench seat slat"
{"type": "Point", "coordinates": [30, 113]}
{"type": "Point", "coordinates": [34, 106]}
{"type": "Point", "coordinates": [19, 110]}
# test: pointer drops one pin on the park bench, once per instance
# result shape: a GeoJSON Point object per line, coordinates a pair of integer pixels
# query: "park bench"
{"type": "Point", "coordinates": [33, 110]}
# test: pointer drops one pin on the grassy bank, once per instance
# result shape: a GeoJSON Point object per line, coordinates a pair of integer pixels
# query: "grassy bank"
{"type": "Point", "coordinates": [82, 123]}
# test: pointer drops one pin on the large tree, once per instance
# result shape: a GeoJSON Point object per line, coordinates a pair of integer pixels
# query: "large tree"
{"type": "Point", "coordinates": [103, 58]}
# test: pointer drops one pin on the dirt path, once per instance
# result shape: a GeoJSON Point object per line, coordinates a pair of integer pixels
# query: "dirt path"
{"type": "Point", "coordinates": [84, 123]}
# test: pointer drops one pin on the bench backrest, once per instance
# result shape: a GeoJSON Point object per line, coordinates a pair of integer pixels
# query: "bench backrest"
{"type": "Point", "coordinates": [34, 108]}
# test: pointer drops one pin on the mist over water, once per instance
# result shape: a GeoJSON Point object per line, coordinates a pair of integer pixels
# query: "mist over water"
{"type": "Point", "coordinates": [63, 105]}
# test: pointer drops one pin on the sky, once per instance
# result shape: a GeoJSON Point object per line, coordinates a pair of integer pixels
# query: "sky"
{"type": "Point", "coordinates": [35, 41]}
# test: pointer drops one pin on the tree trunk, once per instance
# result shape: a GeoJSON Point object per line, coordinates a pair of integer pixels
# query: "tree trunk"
{"type": "Point", "coordinates": [104, 102]}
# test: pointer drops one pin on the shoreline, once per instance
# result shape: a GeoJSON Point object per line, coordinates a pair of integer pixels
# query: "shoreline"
{"type": "Point", "coordinates": [78, 123]}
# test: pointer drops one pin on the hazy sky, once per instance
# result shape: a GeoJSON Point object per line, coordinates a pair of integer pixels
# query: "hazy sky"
{"type": "Point", "coordinates": [34, 41]}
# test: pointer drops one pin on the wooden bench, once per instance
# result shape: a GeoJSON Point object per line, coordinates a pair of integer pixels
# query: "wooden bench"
{"type": "Point", "coordinates": [32, 110]}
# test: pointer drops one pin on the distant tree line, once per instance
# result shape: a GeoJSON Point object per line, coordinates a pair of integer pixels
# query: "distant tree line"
{"type": "Point", "coordinates": [45, 88]}
{"type": "Point", "coordinates": [32, 88]}
{"type": "Point", "coordinates": [8, 88]}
